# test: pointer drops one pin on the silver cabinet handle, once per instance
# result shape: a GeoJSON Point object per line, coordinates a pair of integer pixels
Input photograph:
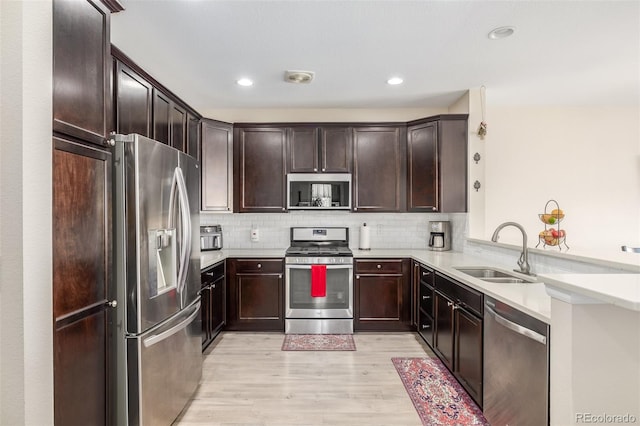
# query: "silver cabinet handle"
{"type": "Point", "coordinates": [259, 265]}
{"type": "Point", "coordinates": [112, 304]}
{"type": "Point", "coordinates": [449, 303]}
{"type": "Point", "coordinates": [631, 249]}
{"type": "Point", "coordinates": [425, 326]}
{"type": "Point", "coordinates": [315, 169]}
{"type": "Point", "coordinates": [379, 266]}
{"type": "Point", "coordinates": [323, 169]}
{"type": "Point", "coordinates": [427, 298]}
{"type": "Point", "coordinates": [424, 274]}
{"type": "Point", "coordinates": [357, 277]}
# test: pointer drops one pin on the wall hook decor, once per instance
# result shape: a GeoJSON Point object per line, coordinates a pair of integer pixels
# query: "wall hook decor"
{"type": "Point", "coordinates": [476, 185]}
{"type": "Point", "coordinates": [476, 157]}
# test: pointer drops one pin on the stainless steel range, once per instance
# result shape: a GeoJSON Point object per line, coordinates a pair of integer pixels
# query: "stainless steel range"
{"type": "Point", "coordinates": [319, 282]}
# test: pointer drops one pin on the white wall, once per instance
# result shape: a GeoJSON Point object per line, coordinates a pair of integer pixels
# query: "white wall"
{"type": "Point", "coordinates": [587, 159]}
{"type": "Point", "coordinates": [26, 347]}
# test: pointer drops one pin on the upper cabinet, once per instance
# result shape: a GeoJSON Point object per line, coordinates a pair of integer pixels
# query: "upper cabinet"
{"type": "Point", "coordinates": [146, 107]}
{"type": "Point", "coordinates": [260, 169]}
{"type": "Point", "coordinates": [216, 159]}
{"type": "Point", "coordinates": [81, 61]}
{"type": "Point", "coordinates": [437, 164]}
{"type": "Point", "coordinates": [133, 101]}
{"type": "Point", "coordinates": [379, 168]}
{"type": "Point", "coordinates": [324, 149]}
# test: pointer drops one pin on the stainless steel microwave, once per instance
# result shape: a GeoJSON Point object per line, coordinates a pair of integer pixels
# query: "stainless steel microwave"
{"type": "Point", "coordinates": [319, 191]}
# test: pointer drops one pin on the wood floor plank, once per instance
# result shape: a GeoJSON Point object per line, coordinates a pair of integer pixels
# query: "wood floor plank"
{"type": "Point", "coordinates": [248, 380]}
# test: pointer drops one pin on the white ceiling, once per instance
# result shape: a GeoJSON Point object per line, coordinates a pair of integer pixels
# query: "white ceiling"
{"type": "Point", "coordinates": [562, 53]}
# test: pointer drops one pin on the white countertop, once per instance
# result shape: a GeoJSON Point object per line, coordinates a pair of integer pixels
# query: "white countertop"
{"type": "Point", "coordinates": [617, 289]}
{"type": "Point", "coordinates": [530, 298]}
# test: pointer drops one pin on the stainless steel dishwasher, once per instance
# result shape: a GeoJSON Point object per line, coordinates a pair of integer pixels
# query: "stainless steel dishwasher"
{"type": "Point", "coordinates": [516, 367]}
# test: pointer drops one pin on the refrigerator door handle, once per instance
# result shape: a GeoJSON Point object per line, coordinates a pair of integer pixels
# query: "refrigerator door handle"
{"type": "Point", "coordinates": [185, 215]}
{"type": "Point", "coordinates": [155, 338]}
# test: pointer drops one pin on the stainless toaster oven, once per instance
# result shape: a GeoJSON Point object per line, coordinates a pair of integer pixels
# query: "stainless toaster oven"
{"type": "Point", "coordinates": [210, 237]}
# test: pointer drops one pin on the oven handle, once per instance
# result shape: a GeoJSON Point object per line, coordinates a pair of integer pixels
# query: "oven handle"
{"type": "Point", "coordinates": [347, 266]}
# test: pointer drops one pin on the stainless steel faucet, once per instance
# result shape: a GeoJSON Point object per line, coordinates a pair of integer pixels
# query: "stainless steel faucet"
{"type": "Point", "coordinates": [523, 262]}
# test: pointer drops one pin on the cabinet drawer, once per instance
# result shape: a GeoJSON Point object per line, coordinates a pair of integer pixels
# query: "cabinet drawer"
{"type": "Point", "coordinates": [259, 266]}
{"type": "Point", "coordinates": [459, 293]}
{"type": "Point", "coordinates": [426, 298]}
{"type": "Point", "coordinates": [212, 274]}
{"type": "Point", "coordinates": [373, 266]}
{"type": "Point", "coordinates": [426, 275]}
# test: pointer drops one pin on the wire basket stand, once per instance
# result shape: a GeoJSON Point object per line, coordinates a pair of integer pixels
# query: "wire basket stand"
{"type": "Point", "coordinates": [552, 235]}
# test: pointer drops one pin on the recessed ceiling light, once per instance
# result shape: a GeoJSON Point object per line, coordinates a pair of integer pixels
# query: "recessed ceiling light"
{"type": "Point", "coordinates": [501, 32]}
{"type": "Point", "coordinates": [244, 82]}
{"type": "Point", "coordinates": [395, 81]}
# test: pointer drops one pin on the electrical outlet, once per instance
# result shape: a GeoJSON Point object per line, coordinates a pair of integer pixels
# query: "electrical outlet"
{"type": "Point", "coordinates": [255, 235]}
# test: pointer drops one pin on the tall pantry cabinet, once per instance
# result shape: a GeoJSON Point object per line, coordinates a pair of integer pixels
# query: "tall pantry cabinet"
{"type": "Point", "coordinates": [82, 281]}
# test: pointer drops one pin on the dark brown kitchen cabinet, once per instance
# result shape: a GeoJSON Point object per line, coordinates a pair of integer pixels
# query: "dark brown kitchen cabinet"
{"type": "Point", "coordinates": [379, 169]}
{"type": "Point", "coordinates": [437, 164]}
{"type": "Point", "coordinates": [213, 299]}
{"type": "Point", "coordinates": [133, 101]}
{"type": "Point", "coordinates": [178, 127]}
{"type": "Point", "coordinates": [259, 169]}
{"type": "Point", "coordinates": [146, 107]}
{"type": "Point", "coordinates": [81, 69]}
{"type": "Point", "coordinates": [161, 117]}
{"type": "Point", "coordinates": [193, 135]}
{"type": "Point", "coordinates": [303, 150]}
{"type": "Point", "coordinates": [422, 165]}
{"type": "Point", "coordinates": [324, 149]}
{"type": "Point", "coordinates": [458, 332]}
{"type": "Point", "coordinates": [423, 302]}
{"type": "Point", "coordinates": [255, 300]}
{"type": "Point", "coordinates": [216, 159]}
{"type": "Point", "coordinates": [382, 295]}
{"type": "Point", "coordinates": [82, 278]}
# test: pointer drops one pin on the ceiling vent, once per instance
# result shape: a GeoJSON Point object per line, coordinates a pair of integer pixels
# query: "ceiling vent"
{"type": "Point", "coordinates": [298, 76]}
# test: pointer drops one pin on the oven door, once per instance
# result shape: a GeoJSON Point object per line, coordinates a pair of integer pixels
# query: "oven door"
{"type": "Point", "coordinates": [338, 303]}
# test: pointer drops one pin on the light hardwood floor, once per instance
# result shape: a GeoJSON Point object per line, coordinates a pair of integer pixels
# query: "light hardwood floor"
{"type": "Point", "coordinates": [248, 380]}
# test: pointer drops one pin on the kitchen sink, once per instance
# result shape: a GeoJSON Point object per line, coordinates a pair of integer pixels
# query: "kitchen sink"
{"type": "Point", "coordinates": [493, 275]}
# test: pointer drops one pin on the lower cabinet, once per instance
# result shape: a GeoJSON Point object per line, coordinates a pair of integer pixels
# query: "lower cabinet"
{"type": "Point", "coordinates": [382, 295]}
{"type": "Point", "coordinates": [255, 297]}
{"type": "Point", "coordinates": [213, 301]}
{"type": "Point", "coordinates": [457, 338]}
{"type": "Point", "coordinates": [424, 302]}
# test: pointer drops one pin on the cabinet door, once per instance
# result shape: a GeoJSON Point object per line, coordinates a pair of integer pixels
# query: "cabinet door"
{"type": "Point", "coordinates": [193, 136]}
{"type": "Point", "coordinates": [178, 127]}
{"type": "Point", "coordinates": [216, 165]}
{"type": "Point", "coordinates": [81, 283]}
{"type": "Point", "coordinates": [382, 299]}
{"type": "Point", "coordinates": [468, 353]}
{"type": "Point", "coordinates": [205, 309]}
{"type": "Point", "coordinates": [379, 169]}
{"type": "Point", "coordinates": [81, 69]}
{"type": "Point", "coordinates": [134, 100]}
{"type": "Point", "coordinates": [218, 311]}
{"type": "Point", "coordinates": [336, 150]}
{"type": "Point", "coordinates": [303, 150]}
{"type": "Point", "coordinates": [261, 169]}
{"type": "Point", "coordinates": [161, 117]}
{"type": "Point", "coordinates": [422, 159]}
{"type": "Point", "coordinates": [452, 154]}
{"type": "Point", "coordinates": [255, 299]}
{"type": "Point", "coordinates": [443, 333]}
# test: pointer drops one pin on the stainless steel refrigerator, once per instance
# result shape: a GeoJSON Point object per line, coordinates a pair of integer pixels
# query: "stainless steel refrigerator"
{"type": "Point", "coordinates": [157, 264]}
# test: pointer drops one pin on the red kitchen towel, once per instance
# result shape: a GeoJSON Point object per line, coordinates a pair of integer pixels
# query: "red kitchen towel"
{"type": "Point", "coordinates": [318, 280]}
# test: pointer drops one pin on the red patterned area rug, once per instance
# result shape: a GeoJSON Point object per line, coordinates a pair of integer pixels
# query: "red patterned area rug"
{"type": "Point", "coordinates": [438, 397]}
{"type": "Point", "coordinates": [318, 342]}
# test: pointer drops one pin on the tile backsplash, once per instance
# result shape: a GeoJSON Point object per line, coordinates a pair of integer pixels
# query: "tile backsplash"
{"type": "Point", "coordinates": [388, 230]}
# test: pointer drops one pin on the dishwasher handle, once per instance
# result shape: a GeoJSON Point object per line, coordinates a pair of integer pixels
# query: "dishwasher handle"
{"type": "Point", "coordinates": [533, 335]}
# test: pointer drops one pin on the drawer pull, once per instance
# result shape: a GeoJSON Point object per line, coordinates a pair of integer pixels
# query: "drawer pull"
{"type": "Point", "coordinates": [424, 274]}
{"type": "Point", "coordinates": [426, 326]}
{"type": "Point", "coordinates": [259, 265]}
{"type": "Point", "coordinates": [379, 266]}
{"type": "Point", "coordinates": [449, 303]}
{"type": "Point", "coordinates": [427, 298]}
